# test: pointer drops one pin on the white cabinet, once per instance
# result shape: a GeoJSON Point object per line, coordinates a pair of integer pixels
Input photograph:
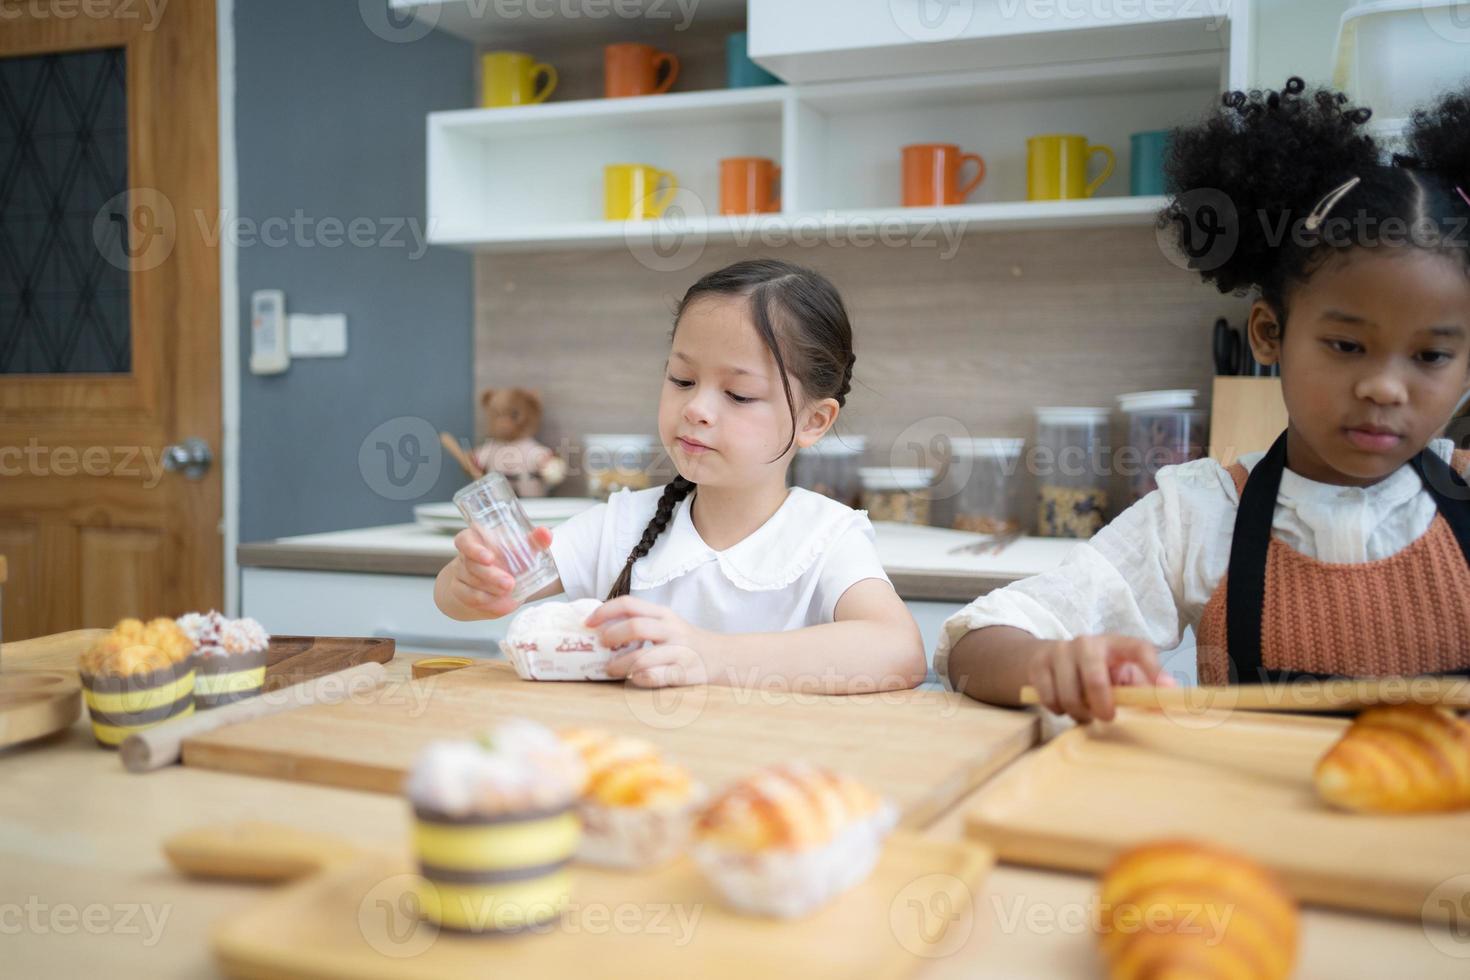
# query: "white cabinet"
{"type": "Point", "coordinates": [821, 40]}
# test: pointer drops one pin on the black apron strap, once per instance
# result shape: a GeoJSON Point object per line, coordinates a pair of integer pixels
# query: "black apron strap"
{"type": "Point", "coordinates": [1245, 586]}
{"type": "Point", "coordinates": [1245, 583]}
{"type": "Point", "coordinates": [1451, 495]}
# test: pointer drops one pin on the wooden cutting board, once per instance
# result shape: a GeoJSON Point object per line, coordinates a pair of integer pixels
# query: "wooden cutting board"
{"type": "Point", "coordinates": [290, 659]}
{"type": "Point", "coordinates": [36, 703]}
{"type": "Point", "coordinates": [922, 749]}
{"type": "Point", "coordinates": [357, 920]}
{"type": "Point", "coordinates": [1243, 781]}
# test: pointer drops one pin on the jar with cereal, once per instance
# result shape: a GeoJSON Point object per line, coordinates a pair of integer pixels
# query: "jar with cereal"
{"type": "Point", "coordinates": [1071, 471]}
{"type": "Point", "coordinates": [614, 461]}
{"type": "Point", "coordinates": [831, 468]}
{"type": "Point", "coordinates": [1164, 429]}
{"type": "Point", "coordinates": [901, 494]}
{"type": "Point", "coordinates": [986, 481]}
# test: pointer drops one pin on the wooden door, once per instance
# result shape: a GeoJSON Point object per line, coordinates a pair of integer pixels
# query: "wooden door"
{"type": "Point", "coordinates": [109, 311]}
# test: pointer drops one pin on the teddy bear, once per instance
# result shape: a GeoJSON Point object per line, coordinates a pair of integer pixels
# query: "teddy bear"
{"type": "Point", "coordinates": [512, 418]}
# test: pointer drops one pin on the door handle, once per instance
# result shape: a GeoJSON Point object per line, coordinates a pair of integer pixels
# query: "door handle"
{"type": "Point", "coordinates": [192, 456]}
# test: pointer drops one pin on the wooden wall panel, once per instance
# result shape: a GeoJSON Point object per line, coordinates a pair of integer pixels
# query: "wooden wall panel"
{"type": "Point", "coordinates": [1008, 322]}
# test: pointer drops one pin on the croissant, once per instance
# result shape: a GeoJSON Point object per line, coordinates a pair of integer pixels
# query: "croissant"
{"type": "Point", "coordinates": [1183, 909]}
{"type": "Point", "coordinates": [791, 807]}
{"type": "Point", "coordinates": [1405, 758]}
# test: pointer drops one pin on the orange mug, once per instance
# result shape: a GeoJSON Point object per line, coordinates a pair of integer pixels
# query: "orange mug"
{"type": "Point", "coordinates": [748, 185]}
{"type": "Point", "coordinates": [931, 174]}
{"type": "Point", "coordinates": [633, 69]}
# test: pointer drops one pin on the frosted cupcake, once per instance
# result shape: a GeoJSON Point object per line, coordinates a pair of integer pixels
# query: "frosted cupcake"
{"type": "Point", "coordinates": [137, 676]}
{"type": "Point", "coordinates": [231, 657]}
{"type": "Point", "coordinates": [789, 839]}
{"type": "Point", "coordinates": [549, 642]}
{"type": "Point", "coordinates": [495, 828]}
{"type": "Point", "coordinates": [637, 809]}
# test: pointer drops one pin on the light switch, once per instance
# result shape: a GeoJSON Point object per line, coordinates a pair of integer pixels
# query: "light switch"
{"type": "Point", "coordinates": [318, 334]}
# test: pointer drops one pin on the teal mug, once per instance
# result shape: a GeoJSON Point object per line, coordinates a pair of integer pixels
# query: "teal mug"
{"type": "Point", "coordinates": [740, 70]}
{"type": "Point", "coordinates": [1149, 150]}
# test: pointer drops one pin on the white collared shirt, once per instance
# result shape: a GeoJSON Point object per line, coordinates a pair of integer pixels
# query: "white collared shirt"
{"type": "Point", "coordinates": [787, 574]}
{"type": "Point", "coordinates": [1152, 570]}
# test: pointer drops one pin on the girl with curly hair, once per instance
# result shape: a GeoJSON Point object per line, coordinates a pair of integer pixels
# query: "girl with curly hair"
{"type": "Point", "coordinates": [1345, 549]}
{"type": "Point", "coordinates": [725, 575]}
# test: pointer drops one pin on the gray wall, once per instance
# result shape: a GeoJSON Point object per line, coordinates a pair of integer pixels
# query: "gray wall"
{"type": "Point", "coordinates": [330, 124]}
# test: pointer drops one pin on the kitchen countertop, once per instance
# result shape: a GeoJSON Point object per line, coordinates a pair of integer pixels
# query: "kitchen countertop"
{"type": "Point", "coordinates": [90, 893]}
{"type": "Point", "coordinates": [917, 559]}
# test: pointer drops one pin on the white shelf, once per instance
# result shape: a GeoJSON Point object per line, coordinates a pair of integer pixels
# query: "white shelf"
{"type": "Point", "coordinates": [530, 177]}
{"type": "Point", "coordinates": [851, 228]}
{"type": "Point", "coordinates": [537, 21]}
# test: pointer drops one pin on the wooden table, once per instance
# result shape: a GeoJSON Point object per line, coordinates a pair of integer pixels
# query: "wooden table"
{"type": "Point", "coordinates": [83, 873]}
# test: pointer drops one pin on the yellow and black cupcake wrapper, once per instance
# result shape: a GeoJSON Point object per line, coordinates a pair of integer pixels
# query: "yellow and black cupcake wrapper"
{"type": "Point", "coordinates": [227, 679]}
{"type": "Point", "coordinates": [120, 706]}
{"type": "Point", "coordinates": [495, 874]}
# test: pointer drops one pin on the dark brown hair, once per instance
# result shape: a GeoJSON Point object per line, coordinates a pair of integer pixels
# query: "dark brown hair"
{"type": "Point", "coordinates": [800, 317]}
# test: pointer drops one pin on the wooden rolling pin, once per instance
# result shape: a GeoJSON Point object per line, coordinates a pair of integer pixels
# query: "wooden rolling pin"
{"type": "Point", "coordinates": [1345, 694]}
{"type": "Point", "coordinates": [161, 745]}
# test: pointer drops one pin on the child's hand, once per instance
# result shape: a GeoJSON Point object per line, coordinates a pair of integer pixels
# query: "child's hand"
{"type": "Point", "coordinates": [1076, 677]}
{"type": "Point", "coordinates": [479, 578]}
{"type": "Point", "coordinates": [676, 654]}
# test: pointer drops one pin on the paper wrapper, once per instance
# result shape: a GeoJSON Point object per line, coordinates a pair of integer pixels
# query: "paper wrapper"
{"type": "Point", "coordinates": [220, 680]}
{"type": "Point", "coordinates": [494, 874]}
{"type": "Point", "coordinates": [788, 884]}
{"type": "Point", "coordinates": [636, 837]}
{"type": "Point", "coordinates": [122, 705]}
{"type": "Point", "coordinates": [558, 657]}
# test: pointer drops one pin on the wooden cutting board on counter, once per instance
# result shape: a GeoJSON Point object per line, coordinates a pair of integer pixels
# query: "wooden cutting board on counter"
{"type": "Point", "coordinates": [922, 749]}
{"type": "Point", "coordinates": [1241, 780]}
{"type": "Point", "coordinates": [358, 920]}
{"type": "Point", "coordinates": [290, 659]}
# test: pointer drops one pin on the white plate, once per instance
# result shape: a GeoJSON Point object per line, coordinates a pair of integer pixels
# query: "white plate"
{"type": "Point", "coordinates": [547, 511]}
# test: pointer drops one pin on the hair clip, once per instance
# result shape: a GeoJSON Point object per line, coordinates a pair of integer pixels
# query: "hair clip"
{"type": "Point", "coordinates": [1328, 202]}
{"type": "Point", "coordinates": [1463, 196]}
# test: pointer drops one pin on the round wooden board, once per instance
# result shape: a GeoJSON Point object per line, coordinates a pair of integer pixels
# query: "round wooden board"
{"type": "Point", "coordinates": [35, 703]}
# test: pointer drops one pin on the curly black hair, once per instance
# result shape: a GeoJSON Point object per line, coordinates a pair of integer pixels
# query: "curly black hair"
{"type": "Point", "coordinates": [1272, 157]}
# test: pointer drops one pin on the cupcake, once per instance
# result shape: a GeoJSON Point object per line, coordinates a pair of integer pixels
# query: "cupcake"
{"type": "Point", "coordinates": [637, 808]}
{"type": "Point", "coordinates": [495, 828]}
{"type": "Point", "coordinates": [137, 676]}
{"type": "Point", "coordinates": [550, 642]}
{"type": "Point", "coordinates": [231, 657]}
{"type": "Point", "coordinates": [788, 839]}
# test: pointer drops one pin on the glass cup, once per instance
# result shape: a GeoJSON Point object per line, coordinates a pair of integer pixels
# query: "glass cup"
{"type": "Point", "coordinates": [491, 508]}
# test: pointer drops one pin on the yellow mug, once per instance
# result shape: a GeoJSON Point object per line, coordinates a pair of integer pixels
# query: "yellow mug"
{"type": "Point", "coordinates": [633, 191]}
{"type": "Point", "coordinates": [510, 78]}
{"type": "Point", "coordinates": [1056, 167]}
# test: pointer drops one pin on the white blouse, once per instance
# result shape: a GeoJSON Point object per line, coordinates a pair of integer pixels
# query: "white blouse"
{"type": "Point", "coordinates": [787, 574]}
{"type": "Point", "coordinates": [1152, 570]}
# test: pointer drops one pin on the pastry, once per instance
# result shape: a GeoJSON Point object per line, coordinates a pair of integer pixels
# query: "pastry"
{"type": "Point", "coordinates": [137, 676]}
{"type": "Point", "coordinates": [788, 839]}
{"type": "Point", "coordinates": [231, 657]}
{"type": "Point", "coordinates": [1185, 909]}
{"type": "Point", "coordinates": [1404, 758]}
{"type": "Point", "coordinates": [495, 828]}
{"type": "Point", "coordinates": [637, 808]}
{"type": "Point", "coordinates": [550, 642]}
